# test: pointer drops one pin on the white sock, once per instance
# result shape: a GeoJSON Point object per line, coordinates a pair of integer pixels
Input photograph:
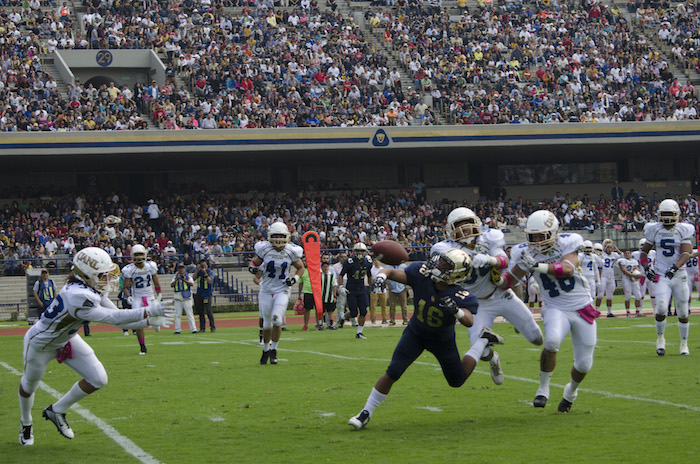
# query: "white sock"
{"type": "Point", "coordinates": [273, 345]}
{"type": "Point", "coordinates": [545, 377]}
{"type": "Point", "coordinates": [375, 399]}
{"type": "Point", "coordinates": [74, 395]}
{"type": "Point", "coordinates": [683, 328]}
{"type": "Point", "coordinates": [571, 391]}
{"type": "Point", "coordinates": [477, 349]}
{"type": "Point", "coordinates": [25, 409]}
{"type": "Point", "coordinates": [360, 328]}
{"type": "Point", "coordinates": [609, 309]}
{"type": "Point", "coordinates": [660, 327]}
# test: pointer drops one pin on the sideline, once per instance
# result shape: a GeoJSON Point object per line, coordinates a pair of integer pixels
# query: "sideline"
{"type": "Point", "coordinates": [128, 445]}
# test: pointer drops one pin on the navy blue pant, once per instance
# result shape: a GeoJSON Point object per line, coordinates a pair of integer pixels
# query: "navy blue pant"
{"type": "Point", "coordinates": [358, 301]}
{"type": "Point", "coordinates": [443, 346]}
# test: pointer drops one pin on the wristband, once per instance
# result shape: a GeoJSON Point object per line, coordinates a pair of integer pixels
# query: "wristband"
{"type": "Point", "coordinates": [460, 314]}
{"type": "Point", "coordinates": [644, 262]}
{"type": "Point", "coordinates": [506, 278]}
{"type": "Point", "coordinates": [558, 270]}
{"type": "Point", "coordinates": [158, 289]}
{"type": "Point", "coordinates": [542, 268]}
{"type": "Point", "coordinates": [502, 262]}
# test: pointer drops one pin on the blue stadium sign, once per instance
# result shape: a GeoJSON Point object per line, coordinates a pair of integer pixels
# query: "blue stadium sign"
{"type": "Point", "coordinates": [380, 139]}
{"type": "Point", "coordinates": [104, 58]}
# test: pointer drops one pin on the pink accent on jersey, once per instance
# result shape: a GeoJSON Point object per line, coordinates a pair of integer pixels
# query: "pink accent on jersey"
{"type": "Point", "coordinates": [589, 313]}
{"type": "Point", "coordinates": [64, 353]}
{"type": "Point", "coordinates": [558, 270]}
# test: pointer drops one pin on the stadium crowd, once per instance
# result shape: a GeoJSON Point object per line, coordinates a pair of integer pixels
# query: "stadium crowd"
{"type": "Point", "coordinates": [184, 226]}
{"type": "Point", "coordinates": [305, 65]}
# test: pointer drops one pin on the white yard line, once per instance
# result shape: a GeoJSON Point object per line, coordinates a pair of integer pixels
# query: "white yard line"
{"type": "Point", "coordinates": [128, 445]}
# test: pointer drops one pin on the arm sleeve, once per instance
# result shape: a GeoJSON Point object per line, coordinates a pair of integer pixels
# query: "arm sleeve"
{"type": "Point", "coordinates": [110, 315]}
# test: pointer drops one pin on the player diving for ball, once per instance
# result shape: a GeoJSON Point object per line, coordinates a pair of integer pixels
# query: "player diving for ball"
{"type": "Point", "coordinates": [439, 304]}
{"type": "Point", "coordinates": [486, 250]}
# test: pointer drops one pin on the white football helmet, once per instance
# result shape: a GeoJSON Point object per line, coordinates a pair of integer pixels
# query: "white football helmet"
{"type": "Point", "coordinates": [463, 226]}
{"type": "Point", "coordinates": [587, 247]}
{"type": "Point", "coordinates": [139, 255]}
{"type": "Point", "coordinates": [95, 268]}
{"type": "Point", "coordinates": [642, 242]}
{"type": "Point", "coordinates": [359, 250]}
{"type": "Point", "coordinates": [450, 267]}
{"type": "Point", "coordinates": [541, 230]}
{"type": "Point", "coordinates": [598, 248]}
{"type": "Point", "coordinates": [278, 234]}
{"type": "Point", "coordinates": [668, 213]}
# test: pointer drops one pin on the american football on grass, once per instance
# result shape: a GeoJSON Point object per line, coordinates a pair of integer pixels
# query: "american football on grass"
{"type": "Point", "coordinates": [389, 252]}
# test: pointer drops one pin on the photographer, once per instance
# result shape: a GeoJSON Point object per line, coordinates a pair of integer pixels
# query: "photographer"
{"type": "Point", "coordinates": [182, 284]}
{"type": "Point", "coordinates": [202, 299]}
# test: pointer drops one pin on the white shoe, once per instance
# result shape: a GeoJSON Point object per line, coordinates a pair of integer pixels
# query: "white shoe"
{"type": "Point", "coordinates": [496, 371]}
{"type": "Point", "coordinates": [684, 348]}
{"type": "Point", "coordinates": [660, 345]}
{"type": "Point", "coordinates": [26, 437]}
{"type": "Point", "coordinates": [360, 420]}
{"type": "Point", "coordinates": [59, 420]}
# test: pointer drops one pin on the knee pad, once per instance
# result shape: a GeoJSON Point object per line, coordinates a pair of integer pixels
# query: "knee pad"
{"type": "Point", "coordinates": [98, 378]}
{"type": "Point", "coordinates": [584, 365]}
{"type": "Point", "coordinates": [276, 321]}
{"type": "Point", "coordinates": [267, 325]}
{"type": "Point", "coordinates": [552, 345]}
{"type": "Point", "coordinates": [29, 386]}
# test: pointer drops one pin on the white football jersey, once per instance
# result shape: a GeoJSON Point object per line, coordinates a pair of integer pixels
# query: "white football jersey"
{"type": "Point", "coordinates": [566, 293]}
{"type": "Point", "coordinates": [589, 264]}
{"type": "Point", "coordinates": [608, 264]}
{"type": "Point", "coordinates": [75, 304]}
{"type": "Point", "coordinates": [628, 264]}
{"type": "Point", "coordinates": [668, 243]}
{"type": "Point", "coordinates": [481, 282]}
{"type": "Point", "coordinates": [276, 265]}
{"type": "Point", "coordinates": [141, 279]}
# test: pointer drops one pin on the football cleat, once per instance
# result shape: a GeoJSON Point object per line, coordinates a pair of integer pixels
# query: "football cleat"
{"type": "Point", "coordinates": [59, 420]}
{"type": "Point", "coordinates": [540, 401]}
{"type": "Point", "coordinates": [264, 357]}
{"type": "Point", "coordinates": [492, 337]}
{"type": "Point", "coordinates": [564, 406]}
{"type": "Point", "coordinates": [611, 315]}
{"type": "Point", "coordinates": [26, 437]}
{"type": "Point", "coordinates": [360, 420]}
{"type": "Point", "coordinates": [640, 314]}
{"type": "Point", "coordinates": [496, 371]}
{"type": "Point", "coordinates": [305, 327]}
{"type": "Point", "coordinates": [361, 336]}
{"type": "Point", "coordinates": [661, 345]}
{"type": "Point", "coordinates": [273, 356]}
{"type": "Point", "coordinates": [684, 348]}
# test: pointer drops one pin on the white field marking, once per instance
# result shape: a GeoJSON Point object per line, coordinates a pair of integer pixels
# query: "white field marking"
{"type": "Point", "coordinates": [614, 328]}
{"type": "Point", "coordinates": [174, 343]}
{"type": "Point", "coordinates": [209, 342]}
{"type": "Point", "coordinates": [429, 408]}
{"type": "Point", "coordinates": [606, 394]}
{"type": "Point", "coordinates": [215, 362]}
{"type": "Point", "coordinates": [632, 341]}
{"type": "Point", "coordinates": [217, 419]}
{"type": "Point", "coordinates": [325, 414]}
{"type": "Point", "coordinates": [128, 445]}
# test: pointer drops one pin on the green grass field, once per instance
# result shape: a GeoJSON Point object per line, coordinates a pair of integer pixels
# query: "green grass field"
{"type": "Point", "coordinates": [203, 398]}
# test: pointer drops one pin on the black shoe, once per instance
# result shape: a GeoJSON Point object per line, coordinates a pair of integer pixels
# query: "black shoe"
{"type": "Point", "coordinates": [332, 327]}
{"type": "Point", "coordinates": [59, 420]}
{"type": "Point", "coordinates": [202, 330]}
{"type": "Point", "coordinates": [564, 406]}
{"type": "Point", "coordinates": [360, 336]}
{"type": "Point", "coordinates": [143, 349]}
{"type": "Point", "coordinates": [360, 420]}
{"type": "Point", "coordinates": [341, 323]}
{"type": "Point", "coordinates": [176, 333]}
{"type": "Point", "coordinates": [213, 329]}
{"type": "Point", "coordinates": [492, 337]}
{"type": "Point", "coordinates": [285, 329]}
{"type": "Point", "coordinates": [265, 356]}
{"type": "Point", "coordinates": [273, 356]}
{"type": "Point", "coordinates": [540, 401]}
{"type": "Point", "coordinates": [611, 315]}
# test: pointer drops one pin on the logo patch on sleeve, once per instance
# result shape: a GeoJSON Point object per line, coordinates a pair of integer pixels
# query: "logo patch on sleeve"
{"type": "Point", "coordinates": [88, 304]}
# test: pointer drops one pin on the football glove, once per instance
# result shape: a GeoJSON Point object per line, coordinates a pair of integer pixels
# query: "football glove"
{"type": "Point", "coordinates": [449, 304]}
{"type": "Point", "coordinates": [483, 260]}
{"type": "Point", "coordinates": [161, 308]}
{"type": "Point", "coordinates": [651, 275]}
{"type": "Point", "coordinates": [253, 269]}
{"type": "Point", "coordinates": [528, 261]}
{"type": "Point", "coordinates": [379, 284]}
{"type": "Point", "coordinates": [130, 300]}
{"type": "Point", "coordinates": [291, 281]}
{"type": "Point", "coordinates": [671, 272]}
{"type": "Point", "coordinates": [160, 322]}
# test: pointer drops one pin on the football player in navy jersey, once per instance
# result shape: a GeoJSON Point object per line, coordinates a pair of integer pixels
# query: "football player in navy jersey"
{"type": "Point", "coordinates": [357, 269]}
{"type": "Point", "coordinates": [439, 303]}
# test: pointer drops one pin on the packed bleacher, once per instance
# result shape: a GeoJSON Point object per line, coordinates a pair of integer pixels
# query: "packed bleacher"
{"type": "Point", "coordinates": [307, 65]}
{"type": "Point", "coordinates": [48, 230]}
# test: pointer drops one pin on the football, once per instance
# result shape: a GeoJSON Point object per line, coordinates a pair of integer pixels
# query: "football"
{"type": "Point", "coordinates": [636, 272]}
{"type": "Point", "coordinates": [389, 252]}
